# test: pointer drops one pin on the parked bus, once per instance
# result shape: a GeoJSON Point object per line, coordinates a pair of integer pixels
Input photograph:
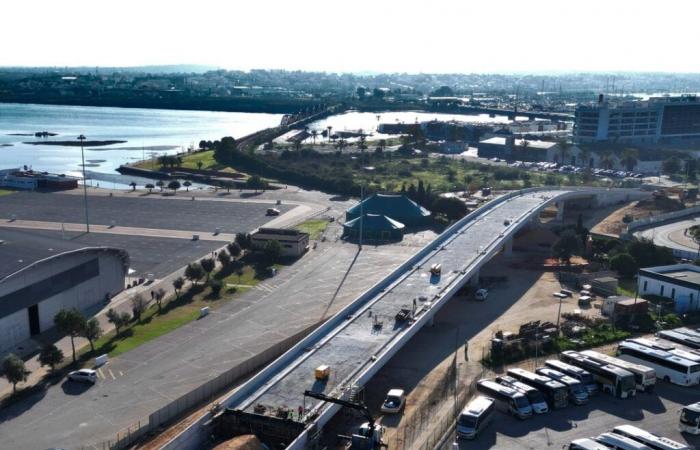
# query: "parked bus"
{"type": "Point", "coordinates": [508, 400]}
{"type": "Point", "coordinates": [618, 442]}
{"type": "Point", "coordinates": [576, 391]}
{"type": "Point", "coordinates": [689, 421]}
{"type": "Point", "coordinates": [673, 348]}
{"type": "Point", "coordinates": [644, 376]}
{"type": "Point", "coordinates": [675, 336]}
{"type": "Point", "coordinates": [650, 440]}
{"type": "Point", "coordinates": [537, 400]}
{"type": "Point", "coordinates": [587, 444]}
{"type": "Point", "coordinates": [580, 374]}
{"type": "Point", "coordinates": [554, 391]}
{"type": "Point", "coordinates": [475, 417]}
{"type": "Point", "coordinates": [688, 332]}
{"type": "Point", "coordinates": [669, 367]}
{"type": "Point", "coordinates": [613, 380]}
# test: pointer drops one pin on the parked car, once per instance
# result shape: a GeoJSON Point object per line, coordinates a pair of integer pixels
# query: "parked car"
{"type": "Point", "coordinates": [273, 212]}
{"type": "Point", "coordinates": [481, 294]}
{"type": "Point", "coordinates": [394, 401]}
{"type": "Point", "coordinates": [83, 376]}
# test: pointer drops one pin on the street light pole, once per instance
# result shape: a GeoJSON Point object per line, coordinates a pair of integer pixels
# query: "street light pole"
{"type": "Point", "coordinates": [81, 138]}
{"type": "Point", "coordinates": [362, 218]}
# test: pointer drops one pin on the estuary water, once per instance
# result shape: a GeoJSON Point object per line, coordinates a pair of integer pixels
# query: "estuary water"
{"type": "Point", "coordinates": [146, 132]}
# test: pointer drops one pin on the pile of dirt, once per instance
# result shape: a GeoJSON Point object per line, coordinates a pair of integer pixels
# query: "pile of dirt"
{"type": "Point", "coordinates": [245, 442]}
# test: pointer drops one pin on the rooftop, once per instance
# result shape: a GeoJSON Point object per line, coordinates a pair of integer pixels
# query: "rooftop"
{"type": "Point", "coordinates": [680, 273]}
{"type": "Point", "coordinates": [544, 145]}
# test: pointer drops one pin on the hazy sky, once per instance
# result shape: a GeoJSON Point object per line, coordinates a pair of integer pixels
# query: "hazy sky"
{"type": "Point", "coordinates": [358, 35]}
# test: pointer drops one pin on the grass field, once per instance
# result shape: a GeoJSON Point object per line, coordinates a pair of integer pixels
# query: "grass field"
{"type": "Point", "coordinates": [190, 162]}
{"type": "Point", "coordinates": [6, 192]}
{"type": "Point", "coordinates": [314, 227]}
{"type": "Point", "coordinates": [627, 286]}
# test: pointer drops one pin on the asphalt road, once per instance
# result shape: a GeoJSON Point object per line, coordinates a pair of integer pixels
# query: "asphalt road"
{"type": "Point", "coordinates": [151, 376]}
{"type": "Point", "coordinates": [671, 235]}
{"type": "Point", "coordinates": [657, 413]}
{"type": "Point", "coordinates": [174, 213]}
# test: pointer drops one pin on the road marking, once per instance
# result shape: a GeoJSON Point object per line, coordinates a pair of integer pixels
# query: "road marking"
{"type": "Point", "coordinates": [100, 374]}
{"type": "Point", "coordinates": [110, 372]}
{"type": "Point", "coordinates": [121, 374]}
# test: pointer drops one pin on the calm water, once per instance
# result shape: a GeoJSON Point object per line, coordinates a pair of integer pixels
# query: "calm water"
{"type": "Point", "coordinates": [145, 130]}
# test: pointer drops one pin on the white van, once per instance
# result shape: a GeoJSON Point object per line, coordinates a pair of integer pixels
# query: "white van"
{"type": "Point", "coordinates": [475, 417]}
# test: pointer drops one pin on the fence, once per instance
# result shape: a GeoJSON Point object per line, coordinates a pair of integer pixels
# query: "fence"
{"type": "Point", "coordinates": [197, 397]}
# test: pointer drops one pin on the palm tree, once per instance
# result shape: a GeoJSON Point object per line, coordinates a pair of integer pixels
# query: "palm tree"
{"type": "Point", "coordinates": [607, 160]}
{"type": "Point", "coordinates": [150, 187]}
{"type": "Point", "coordinates": [133, 186]}
{"type": "Point", "coordinates": [564, 150]}
{"type": "Point", "coordinates": [314, 133]}
{"type": "Point", "coordinates": [341, 144]}
{"type": "Point", "coordinates": [160, 184]}
{"type": "Point", "coordinates": [187, 185]}
{"type": "Point", "coordinates": [630, 157]}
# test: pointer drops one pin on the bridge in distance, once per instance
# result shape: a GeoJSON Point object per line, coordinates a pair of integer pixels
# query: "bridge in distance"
{"type": "Point", "coordinates": [362, 337]}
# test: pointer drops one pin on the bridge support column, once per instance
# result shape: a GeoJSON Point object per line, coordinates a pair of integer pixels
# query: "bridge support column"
{"type": "Point", "coordinates": [474, 280]}
{"type": "Point", "coordinates": [430, 321]}
{"type": "Point", "coordinates": [560, 211]}
{"type": "Point", "coordinates": [508, 248]}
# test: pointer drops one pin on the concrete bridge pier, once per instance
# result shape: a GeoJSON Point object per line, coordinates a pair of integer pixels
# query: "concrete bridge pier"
{"type": "Point", "coordinates": [474, 280]}
{"type": "Point", "coordinates": [508, 248]}
{"type": "Point", "coordinates": [560, 211]}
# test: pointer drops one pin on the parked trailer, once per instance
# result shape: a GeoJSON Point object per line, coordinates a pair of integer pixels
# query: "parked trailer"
{"type": "Point", "coordinates": [613, 380]}
{"type": "Point", "coordinates": [644, 376]}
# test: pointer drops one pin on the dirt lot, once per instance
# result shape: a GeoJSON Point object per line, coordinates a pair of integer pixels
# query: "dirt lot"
{"type": "Point", "coordinates": [610, 219]}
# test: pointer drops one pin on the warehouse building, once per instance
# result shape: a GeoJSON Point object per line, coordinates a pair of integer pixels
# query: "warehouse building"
{"type": "Point", "coordinates": [39, 276]}
{"type": "Point", "coordinates": [394, 206]}
{"type": "Point", "coordinates": [293, 242]}
{"type": "Point", "coordinates": [678, 282]}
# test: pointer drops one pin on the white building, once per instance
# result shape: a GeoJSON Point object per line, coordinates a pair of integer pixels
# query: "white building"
{"type": "Point", "coordinates": [39, 276]}
{"type": "Point", "coordinates": [679, 282]}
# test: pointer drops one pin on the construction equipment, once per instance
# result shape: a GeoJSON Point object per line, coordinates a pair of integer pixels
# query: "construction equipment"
{"type": "Point", "coordinates": [369, 435]}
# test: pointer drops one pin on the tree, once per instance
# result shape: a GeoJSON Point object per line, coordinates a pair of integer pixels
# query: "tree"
{"type": "Point", "coordinates": [174, 185]}
{"type": "Point", "coordinates": [70, 322]}
{"type": "Point", "coordinates": [564, 150]}
{"type": "Point", "coordinates": [160, 184]}
{"type": "Point", "coordinates": [224, 258]}
{"type": "Point", "coordinates": [607, 160]}
{"type": "Point", "coordinates": [114, 318]}
{"type": "Point", "coordinates": [51, 356]}
{"type": "Point", "coordinates": [138, 306]}
{"type": "Point", "coordinates": [133, 186]}
{"type": "Point", "coordinates": [216, 286]}
{"type": "Point", "coordinates": [566, 246]}
{"type": "Point", "coordinates": [92, 332]}
{"type": "Point", "coordinates": [255, 182]}
{"type": "Point", "coordinates": [244, 241]}
{"type": "Point", "coordinates": [158, 296]}
{"type": "Point", "coordinates": [178, 283]}
{"type": "Point", "coordinates": [629, 158]}
{"type": "Point", "coordinates": [234, 248]}
{"type": "Point", "coordinates": [272, 251]}
{"type": "Point", "coordinates": [150, 187]}
{"type": "Point", "coordinates": [585, 157]}
{"type": "Point", "coordinates": [187, 185]}
{"type": "Point", "coordinates": [199, 164]}
{"type": "Point", "coordinates": [624, 264]}
{"type": "Point", "coordinates": [208, 264]}
{"type": "Point", "coordinates": [452, 208]}
{"type": "Point", "coordinates": [194, 272]}
{"type": "Point", "coordinates": [649, 255]}
{"type": "Point", "coordinates": [671, 166]}
{"type": "Point", "coordinates": [14, 370]}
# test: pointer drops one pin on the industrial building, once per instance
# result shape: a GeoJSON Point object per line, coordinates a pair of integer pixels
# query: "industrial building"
{"type": "Point", "coordinates": [374, 227]}
{"type": "Point", "coordinates": [39, 276]}
{"type": "Point", "coordinates": [31, 180]}
{"type": "Point", "coordinates": [394, 206]}
{"type": "Point", "coordinates": [294, 242]}
{"type": "Point", "coordinates": [678, 282]}
{"type": "Point", "coordinates": [655, 120]}
{"type": "Point", "coordinates": [518, 149]}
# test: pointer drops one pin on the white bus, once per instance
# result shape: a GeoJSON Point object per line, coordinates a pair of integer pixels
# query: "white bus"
{"type": "Point", "coordinates": [689, 421]}
{"type": "Point", "coordinates": [615, 381]}
{"type": "Point", "coordinates": [675, 336]}
{"type": "Point", "coordinates": [577, 391]}
{"type": "Point", "coordinates": [555, 392]}
{"type": "Point", "coordinates": [688, 332]}
{"type": "Point", "coordinates": [644, 376]}
{"type": "Point", "coordinates": [475, 417]}
{"type": "Point", "coordinates": [618, 442]}
{"type": "Point", "coordinates": [580, 374]}
{"type": "Point", "coordinates": [537, 400]}
{"type": "Point", "coordinates": [650, 440]}
{"type": "Point", "coordinates": [508, 400]}
{"type": "Point", "coordinates": [668, 346]}
{"type": "Point", "coordinates": [587, 444]}
{"type": "Point", "coordinates": [668, 367]}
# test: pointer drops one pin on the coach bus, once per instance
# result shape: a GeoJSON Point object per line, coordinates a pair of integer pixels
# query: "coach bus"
{"type": "Point", "coordinates": [580, 374]}
{"type": "Point", "coordinates": [508, 400]}
{"type": "Point", "coordinates": [613, 380]}
{"type": "Point", "coordinates": [554, 391]}
{"type": "Point", "coordinates": [669, 367]}
{"type": "Point", "coordinates": [644, 376]}
{"type": "Point", "coordinates": [650, 440]}
{"type": "Point", "coordinates": [675, 336]}
{"type": "Point", "coordinates": [689, 421]}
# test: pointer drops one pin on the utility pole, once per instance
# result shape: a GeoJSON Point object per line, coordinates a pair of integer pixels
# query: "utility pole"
{"type": "Point", "coordinates": [362, 214]}
{"type": "Point", "coordinates": [81, 138]}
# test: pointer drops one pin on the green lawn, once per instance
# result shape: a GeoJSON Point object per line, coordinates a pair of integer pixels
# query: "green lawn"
{"type": "Point", "coordinates": [6, 192]}
{"type": "Point", "coordinates": [314, 227]}
{"type": "Point", "coordinates": [627, 286]}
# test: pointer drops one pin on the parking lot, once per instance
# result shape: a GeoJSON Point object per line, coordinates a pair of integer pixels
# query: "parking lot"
{"type": "Point", "coordinates": [657, 412]}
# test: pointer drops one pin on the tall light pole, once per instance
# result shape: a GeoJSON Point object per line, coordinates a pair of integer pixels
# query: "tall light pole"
{"type": "Point", "coordinates": [81, 138]}
{"type": "Point", "coordinates": [362, 213]}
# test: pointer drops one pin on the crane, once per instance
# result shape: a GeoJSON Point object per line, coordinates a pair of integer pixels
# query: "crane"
{"type": "Point", "coordinates": [359, 406]}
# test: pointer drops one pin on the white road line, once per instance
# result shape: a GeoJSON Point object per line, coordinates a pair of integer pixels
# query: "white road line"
{"type": "Point", "coordinates": [100, 374]}
{"type": "Point", "coordinates": [110, 372]}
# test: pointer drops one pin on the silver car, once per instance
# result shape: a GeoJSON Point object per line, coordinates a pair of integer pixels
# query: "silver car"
{"type": "Point", "coordinates": [83, 376]}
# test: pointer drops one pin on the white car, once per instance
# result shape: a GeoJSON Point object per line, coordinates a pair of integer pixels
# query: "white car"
{"type": "Point", "coordinates": [83, 376]}
{"type": "Point", "coordinates": [481, 295]}
{"type": "Point", "coordinates": [394, 401]}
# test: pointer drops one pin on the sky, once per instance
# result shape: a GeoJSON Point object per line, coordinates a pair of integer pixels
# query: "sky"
{"type": "Point", "coordinates": [428, 36]}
